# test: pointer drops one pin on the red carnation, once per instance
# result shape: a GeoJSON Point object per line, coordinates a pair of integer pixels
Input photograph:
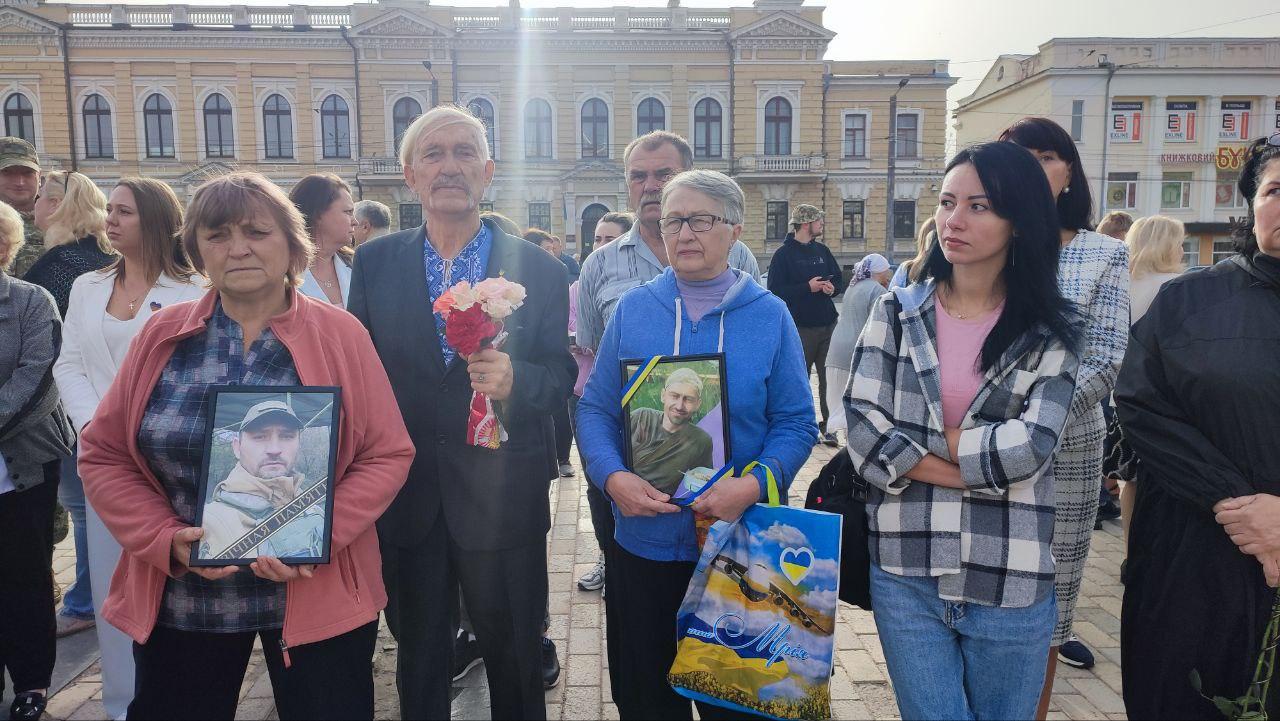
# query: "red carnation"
{"type": "Point", "coordinates": [470, 330]}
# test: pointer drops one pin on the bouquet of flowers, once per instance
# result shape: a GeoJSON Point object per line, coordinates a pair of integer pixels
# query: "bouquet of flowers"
{"type": "Point", "coordinates": [473, 316]}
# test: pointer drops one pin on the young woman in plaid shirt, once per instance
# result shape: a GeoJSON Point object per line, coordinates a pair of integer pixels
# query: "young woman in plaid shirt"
{"type": "Point", "coordinates": [961, 387]}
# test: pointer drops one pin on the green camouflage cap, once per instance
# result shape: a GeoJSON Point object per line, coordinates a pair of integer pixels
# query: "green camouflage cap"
{"type": "Point", "coordinates": [805, 213]}
{"type": "Point", "coordinates": [16, 151]}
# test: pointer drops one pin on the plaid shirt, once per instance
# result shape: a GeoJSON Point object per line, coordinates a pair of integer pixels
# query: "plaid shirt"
{"type": "Point", "coordinates": [1093, 273]}
{"type": "Point", "coordinates": [992, 543]}
{"type": "Point", "coordinates": [172, 437]}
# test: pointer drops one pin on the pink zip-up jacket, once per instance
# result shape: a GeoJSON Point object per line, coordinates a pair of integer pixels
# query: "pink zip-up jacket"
{"type": "Point", "coordinates": [329, 348]}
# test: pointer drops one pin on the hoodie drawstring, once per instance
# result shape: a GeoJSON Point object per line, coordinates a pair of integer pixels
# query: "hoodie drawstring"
{"type": "Point", "coordinates": [679, 323]}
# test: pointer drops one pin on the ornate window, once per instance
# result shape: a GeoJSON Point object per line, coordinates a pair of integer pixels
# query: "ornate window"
{"type": "Point", "coordinates": [403, 113]}
{"type": "Point", "coordinates": [157, 119]}
{"type": "Point", "coordinates": [650, 116]}
{"type": "Point", "coordinates": [537, 129]}
{"type": "Point", "coordinates": [20, 118]}
{"type": "Point", "coordinates": [483, 109]}
{"type": "Point", "coordinates": [708, 122]}
{"type": "Point", "coordinates": [219, 133]}
{"type": "Point", "coordinates": [777, 127]}
{"type": "Point", "coordinates": [277, 127]}
{"type": "Point", "coordinates": [98, 140]}
{"type": "Point", "coordinates": [595, 129]}
{"type": "Point", "coordinates": [335, 127]}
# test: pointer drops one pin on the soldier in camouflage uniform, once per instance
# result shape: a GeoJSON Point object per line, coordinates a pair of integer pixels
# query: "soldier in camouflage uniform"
{"type": "Point", "coordinates": [19, 182]}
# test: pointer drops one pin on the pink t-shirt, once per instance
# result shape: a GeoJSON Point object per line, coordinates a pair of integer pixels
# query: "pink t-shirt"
{"type": "Point", "coordinates": [959, 350]}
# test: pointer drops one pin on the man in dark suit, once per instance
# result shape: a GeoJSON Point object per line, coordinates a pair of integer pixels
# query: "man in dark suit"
{"type": "Point", "coordinates": [468, 516]}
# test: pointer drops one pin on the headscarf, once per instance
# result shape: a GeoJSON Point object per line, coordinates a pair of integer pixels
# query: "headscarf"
{"type": "Point", "coordinates": [869, 266]}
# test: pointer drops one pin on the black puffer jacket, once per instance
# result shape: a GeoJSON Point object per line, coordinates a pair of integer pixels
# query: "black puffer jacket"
{"type": "Point", "coordinates": [59, 267]}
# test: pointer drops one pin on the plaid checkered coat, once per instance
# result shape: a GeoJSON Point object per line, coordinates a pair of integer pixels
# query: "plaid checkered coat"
{"type": "Point", "coordinates": [992, 543]}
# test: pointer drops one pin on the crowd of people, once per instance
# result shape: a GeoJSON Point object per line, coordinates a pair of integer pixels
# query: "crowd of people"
{"type": "Point", "coordinates": [980, 386]}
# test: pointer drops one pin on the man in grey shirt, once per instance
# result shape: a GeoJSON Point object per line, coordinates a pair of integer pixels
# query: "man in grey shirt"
{"type": "Point", "coordinates": [634, 258]}
{"type": "Point", "coordinates": [639, 256]}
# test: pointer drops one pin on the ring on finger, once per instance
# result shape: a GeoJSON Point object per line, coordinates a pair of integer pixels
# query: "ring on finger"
{"type": "Point", "coordinates": [480, 378]}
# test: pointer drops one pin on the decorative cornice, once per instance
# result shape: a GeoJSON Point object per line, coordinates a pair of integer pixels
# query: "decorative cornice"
{"type": "Point", "coordinates": [234, 40]}
{"type": "Point", "coordinates": [782, 24]}
{"type": "Point", "coordinates": [17, 22]}
{"type": "Point", "coordinates": [400, 22]}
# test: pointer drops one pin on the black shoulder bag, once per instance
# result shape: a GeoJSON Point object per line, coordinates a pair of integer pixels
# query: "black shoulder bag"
{"type": "Point", "coordinates": [839, 489]}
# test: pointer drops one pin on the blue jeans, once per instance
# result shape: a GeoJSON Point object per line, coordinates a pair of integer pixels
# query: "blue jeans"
{"type": "Point", "coordinates": [951, 660]}
{"type": "Point", "coordinates": [77, 602]}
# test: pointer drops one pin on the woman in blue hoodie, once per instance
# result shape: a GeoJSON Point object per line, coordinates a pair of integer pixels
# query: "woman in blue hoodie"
{"type": "Point", "coordinates": [698, 305]}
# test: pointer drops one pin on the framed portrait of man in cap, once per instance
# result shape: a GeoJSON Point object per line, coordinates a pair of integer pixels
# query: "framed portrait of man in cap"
{"type": "Point", "coordinates": [676, 411]}
{"type": "Point", "coordinates": [266, 486]}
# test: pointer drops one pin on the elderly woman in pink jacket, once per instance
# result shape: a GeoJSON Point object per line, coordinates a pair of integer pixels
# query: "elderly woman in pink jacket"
{"type": "Point", "coordinates": [194, 627]}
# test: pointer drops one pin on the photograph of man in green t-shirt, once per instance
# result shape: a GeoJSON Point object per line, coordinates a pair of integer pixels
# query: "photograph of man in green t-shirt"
{"type": "Point", "coordinates": [666, 442]}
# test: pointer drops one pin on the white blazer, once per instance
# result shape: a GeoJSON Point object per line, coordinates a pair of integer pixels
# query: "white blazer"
{"type": "Point", "coordinates": [85, 368]}
{"type": "Point", "coordinates": [311, 287]}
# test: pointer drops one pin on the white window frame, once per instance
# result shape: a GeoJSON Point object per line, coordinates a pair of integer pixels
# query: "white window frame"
{"type": "Point", "coordinates": [903, 162]}
{"type": "Point", "coordinates": [261, 93]}
{"type": "Point", "coordinates": [582, 100]}
{"type": "Point", "coordinates": [82, 94]}
{"type": "Point", "coordinates": [318, 95]}
{"type": "Point", "coordinates": [555, 127]}
{"type": "Point", "coordinates": [1185, 196]}
{"type": "Point", "coordinates": [666, 111]}
{"type": "Point", "coordinates": [142, 91]}
{"type": "Point", "coordinates": [465, 101]}
{"type": "Point", "coordinates": [32, 96]}
{"type": "Point", "coordinates": [791, 91]}
{"type": "Point", "coordinates": [202, 147]}
{"type": "Point", "coordinates": [865, 160]}
{"type": "Point", "coordinates": [1106, 188]}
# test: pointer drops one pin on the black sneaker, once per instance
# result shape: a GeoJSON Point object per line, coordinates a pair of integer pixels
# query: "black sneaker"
{"type": "Point", "coordinates": [466, 655]}
{"type": "Point", "coordinates": [1074, 653]}
{"type": "Point", "coordinates": [550, 664]}
{"type": "Point", "coordinates": [1108, 511]}
{"type": "Point", "coordinates": [27, 706]}
{"type": "Point", "coordinates": [829, 439]}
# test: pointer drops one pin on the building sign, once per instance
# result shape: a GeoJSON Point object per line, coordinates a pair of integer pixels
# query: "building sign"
{"type": "Point", "coordinates": [1180, 122]}
{"type": "Point", "coordinates": [1188, 158]}
{"type": "Point", "coordinates": [1235, 120]}
{"type": "Point", "coordinates": [1230, 157]}
{"type": "Point", "coordinates": [1126, 121]}
{"type": "Point", "coordinates": [1278, 115]}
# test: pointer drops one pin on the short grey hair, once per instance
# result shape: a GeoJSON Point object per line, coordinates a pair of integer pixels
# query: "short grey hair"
{"type": "Point", "coordinates": [373, 213]}
{"type": "Point", "coordinates": [655, 139]}
{"type": "Point", "coordinates": [714, 185]}
{"type": "Point", "coordinates": [436, 119]}
{"type": "Point", "coordinates": [686, 377]}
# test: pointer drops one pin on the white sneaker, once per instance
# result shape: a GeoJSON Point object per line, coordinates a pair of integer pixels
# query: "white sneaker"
{"type": "Point", "coordinates": [593, 580]}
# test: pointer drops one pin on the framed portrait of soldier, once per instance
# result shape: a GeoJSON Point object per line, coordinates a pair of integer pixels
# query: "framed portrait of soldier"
{"type": "Point", "coordinates": [266, 485]}
{"type": "Point", "coordinates": [676, 415]}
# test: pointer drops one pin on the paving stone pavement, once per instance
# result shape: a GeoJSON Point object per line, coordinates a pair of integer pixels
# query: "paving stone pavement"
{"type": "Point", "coordinates": [859, 688]}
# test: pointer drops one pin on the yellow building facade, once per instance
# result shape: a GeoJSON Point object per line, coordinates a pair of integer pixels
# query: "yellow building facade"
{"type": "Point", "coordinates": [181, 93]}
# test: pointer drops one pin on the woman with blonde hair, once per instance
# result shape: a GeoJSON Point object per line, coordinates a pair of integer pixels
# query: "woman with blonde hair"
{"type": "Point", "coordinates": [107, 309]}
{"type": "Point", "coordinates": [72, 213]}
{"type": "Point", "coordinates": [1155, 258]}
{"type": "Point", "coordinates": [903, 276]}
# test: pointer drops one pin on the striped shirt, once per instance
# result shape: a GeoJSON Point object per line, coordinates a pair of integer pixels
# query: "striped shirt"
{"type": "Point", "coordinates": [616, 268]}
{"type": "Point", "coordinates": [172, 437]}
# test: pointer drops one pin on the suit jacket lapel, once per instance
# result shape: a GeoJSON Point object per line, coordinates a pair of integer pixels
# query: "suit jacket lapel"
{"type": "Point", "coordinates": [411, 288]}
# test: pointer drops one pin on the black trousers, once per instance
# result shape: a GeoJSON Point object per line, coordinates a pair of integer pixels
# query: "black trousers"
{"type": "Point", "coordinates": [505, 593]}
{"type": "Point", "coordinates": [196, 675]}
{"type": "Point", "coordinates": [28, 630]}
{"type": "Point", "coordinates": [601, 507]}
{"type": "Point", "coordinates": [564, 433]}
{"type": "Point", "coordinates": [640, 613]}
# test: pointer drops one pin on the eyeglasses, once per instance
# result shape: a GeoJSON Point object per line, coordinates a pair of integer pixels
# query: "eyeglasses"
{"type": "Point", "coordinates": [1272, 141]}
{"type": "Point", "coordinates": [700, 223]}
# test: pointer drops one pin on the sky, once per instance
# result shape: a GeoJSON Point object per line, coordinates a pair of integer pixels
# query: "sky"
{"type": "Point", "coordinates": [971, 34]}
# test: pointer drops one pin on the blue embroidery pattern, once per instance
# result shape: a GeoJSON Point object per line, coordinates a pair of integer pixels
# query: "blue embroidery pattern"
{"type": "Point", "coordinates": [471, 265]}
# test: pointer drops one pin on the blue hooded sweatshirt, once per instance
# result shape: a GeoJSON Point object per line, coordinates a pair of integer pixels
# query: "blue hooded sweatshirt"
{"type": "Point", "coordinates": [771, 417]}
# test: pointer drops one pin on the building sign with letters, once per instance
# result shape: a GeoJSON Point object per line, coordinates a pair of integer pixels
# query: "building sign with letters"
{"type": "Point", "coordinates": [1235, 120]}
{"type": "Point", "coordinates": [1278, 115]}
{"type": "Point", "coordinates": [1126, 121]}
{"type": "Point", "coordinates": [1180, 122]}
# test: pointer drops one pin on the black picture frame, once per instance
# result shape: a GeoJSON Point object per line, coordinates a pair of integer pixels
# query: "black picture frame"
{"type": "Point", "coordinates": [255, 518]}
{"type": "Point", "coordinates": [684, 488]}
